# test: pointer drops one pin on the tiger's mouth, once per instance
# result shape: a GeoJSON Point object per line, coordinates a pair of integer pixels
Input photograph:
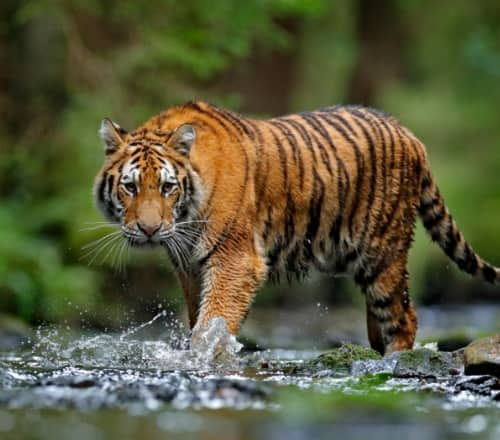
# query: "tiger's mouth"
{"type": "Point", "coordinates": [180, 239]}
{"type": "Point", "coordinates": [146, 237]}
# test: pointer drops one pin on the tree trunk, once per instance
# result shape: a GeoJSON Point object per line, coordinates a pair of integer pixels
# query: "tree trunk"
{"type": "Point", "coordinates": [380, 37]}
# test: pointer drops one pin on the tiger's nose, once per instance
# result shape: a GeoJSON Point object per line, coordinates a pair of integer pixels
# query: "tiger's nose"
{"type": "Point", "coordinates": [149, 229]}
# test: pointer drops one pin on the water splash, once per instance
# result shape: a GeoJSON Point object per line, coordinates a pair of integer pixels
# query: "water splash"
{"type": "Point", "coordinates": [217, 347]}
{"type": "Point", "coordinates": [123, 370]}
{"type": "Point", "coordinates": [134, 330]}
{"type": "Point", "coordinates": [216, 342]}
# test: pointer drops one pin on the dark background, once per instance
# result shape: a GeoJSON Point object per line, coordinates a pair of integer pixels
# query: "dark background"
{"type": "Point", "coordinates": [64, 65]}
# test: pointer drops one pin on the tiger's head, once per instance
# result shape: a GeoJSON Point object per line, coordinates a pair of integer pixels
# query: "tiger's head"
{"type": "Point", "coordinates": [147, 184]}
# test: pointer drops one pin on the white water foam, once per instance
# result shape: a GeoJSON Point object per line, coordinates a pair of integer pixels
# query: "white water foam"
{"type": "Point", "coordinates": [216, 347]}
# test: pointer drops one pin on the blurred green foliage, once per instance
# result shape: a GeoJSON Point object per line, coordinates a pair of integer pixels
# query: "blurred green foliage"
{"type": "Point", "coordinates": [66, 64]}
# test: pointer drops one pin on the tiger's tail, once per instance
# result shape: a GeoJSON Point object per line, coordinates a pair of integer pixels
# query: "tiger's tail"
{"type": "Point", "coordinates": [444, 231]}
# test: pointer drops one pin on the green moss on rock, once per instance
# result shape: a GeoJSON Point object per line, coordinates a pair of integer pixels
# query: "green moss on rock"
{"type": "Point", "coordinates": [343, 357]}
{"type": "Point", "coordinates": [423, 362]}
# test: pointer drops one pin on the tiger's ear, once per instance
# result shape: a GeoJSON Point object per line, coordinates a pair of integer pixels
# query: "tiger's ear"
{"type": "Point", "coordinates": [183, 139]}
{"type": "Point", "coordinates": [111, 134]}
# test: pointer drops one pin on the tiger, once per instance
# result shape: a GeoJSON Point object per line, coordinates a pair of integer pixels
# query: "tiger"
{"type": "Point", "coordinates": [237, 201]}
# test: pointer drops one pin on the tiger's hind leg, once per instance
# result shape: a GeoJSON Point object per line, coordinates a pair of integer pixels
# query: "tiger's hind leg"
{"type": "Point", "coordinates": [391, 318]}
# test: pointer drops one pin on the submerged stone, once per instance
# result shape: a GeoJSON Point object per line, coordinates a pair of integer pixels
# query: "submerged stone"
{"type": "Point", "coordinates": [483, 356]}
{"type": "Point", "coordinates": [423, 362]}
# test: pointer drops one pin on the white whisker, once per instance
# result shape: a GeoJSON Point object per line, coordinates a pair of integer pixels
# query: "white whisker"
{"type": "Point", "coordinates": [93, 228]}
{"type": "Point", "coordinates": [99, 240]}
{"type": "Point", "coordinates": [101, 249]}
{"type": "Point", "coordinates": [111, 249]}
{"type": "Point", "coordinates": [97, 247]}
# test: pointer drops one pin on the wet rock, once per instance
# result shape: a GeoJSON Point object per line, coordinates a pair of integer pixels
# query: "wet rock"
{"type": "Point", "coordinates": [69, 381]}
{"type": "Point", "coordinates": [423, 362]}
{"type": "Point", "coordinates": [454, 341]}
{"type": "Point", "coordinates": [343, 357]}
{"type": "Point", "coordinates": [375, 366]}
{"type": "Point", "coordinates": [481, 385]}
{"type": "Point", "coordinates": [451, 340]}
{"type": "Point", "coordinates": [148, 390]}
{"type": "Point", "coordinates": [483, 356]}
{"type": "Point", "coordinates": [247, 388]}
{"type": "Point", "coordinates": [150, 395]}
{"type": "Point", "coordinates": [165, 393]}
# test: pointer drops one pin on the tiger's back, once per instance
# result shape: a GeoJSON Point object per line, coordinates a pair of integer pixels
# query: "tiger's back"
{"type": "Point", "coordinates": [344, 188]}
{"type": "Point", "coordinates": [337, 189]}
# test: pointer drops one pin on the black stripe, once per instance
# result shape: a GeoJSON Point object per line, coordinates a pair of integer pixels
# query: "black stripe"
{"type": "Point", "coordinates": [289, 219]}
{"type": "Point", "coordinates": [341, 130]}
{"type": "Point", "coordinates": [425, 207]}
{"type": "Point", "coordinates": [237, 122]}
{"type": "Point", "coordinates": [451, 242]}
{"type": "Point", "coordinates": [284, 130]}
{"type": "Point", "coordinates": [398, 291]}
{"type": "Point", "coordinates": [489, 273]}
{"type": "Point", "coordinates": [342, 185]}
{"type": "Point", "coordinates": [297, 154]}
{"type": "Point", "coordinates": [258, 144]}
{"type": "Point", "coordinates": [468, 260]}
{"type": "Point", "coordinates": [366, 276]}
{"type": "Point", "coordinates": [335, 229]}
{"type": "Point", "coordinates": [383, 199]}
{"type": "Point", "coordinates": [108, 202]}
{"type": "Point", "coordinates": [324, 155]}
{"type": "Point", "coordinates": [337, 116]}
{"type": "Point", "coordinates": [262, 187]}
{"type": "Point", "coordinates": [294, 264]}
{"type": "Point", "coordinates": [187, 195]}
{"type": "Point", "coordinates": [426, 183]}
{"type": "Point", "coordinates": [392, 160]}
{"type": "Point", "coordinates": [379, 114]}
{"type": "Point", "coordinates": [109, 187]}
{"type": "Point", "coordinates": [275, 252]}
{"type": "Point", "coordinates": [383, 303]}
{"type": "Point", "coordinates": [100, 191]}
{"type": "Point", "coordinates": [435, 219]}
{"type": "Point", "coordinates": [402, 321]}
{"type": "Point", "coordinates": [393, 329]}
{"type": "Point", "coordinates": [402, 178]}
{"type": "Point", "coordinates": [303, 134]}
{"type": "Point", "coordinates": [312, 122]}
{"type": "Point", "coordinates": [214, 116]}
{"type": "Point", "coordinates": [314, 216]}
{"type": "Point", "coordinates": [282, 157]}
{"type": "Point", "coordinates": [373, 177]}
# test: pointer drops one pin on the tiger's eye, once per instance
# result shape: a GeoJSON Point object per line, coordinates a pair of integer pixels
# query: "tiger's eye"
{"type": "Point", "coordinates": [167, 187]}
{"type": "Point", "coordinates": [130, 187]}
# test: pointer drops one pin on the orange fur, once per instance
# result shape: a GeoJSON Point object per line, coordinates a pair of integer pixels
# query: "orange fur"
{"type": "Point", "coordinates": [337, 189]}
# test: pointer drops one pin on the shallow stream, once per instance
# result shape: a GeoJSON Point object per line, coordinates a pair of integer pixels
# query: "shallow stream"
{"type": "Point", "coordinates": [129, 385]}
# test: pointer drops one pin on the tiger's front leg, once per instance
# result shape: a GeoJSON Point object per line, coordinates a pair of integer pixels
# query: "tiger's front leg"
{"type": "Point", "coordinates": [229, 279]}
{"type": "Point", "coordinates": [190, 286]}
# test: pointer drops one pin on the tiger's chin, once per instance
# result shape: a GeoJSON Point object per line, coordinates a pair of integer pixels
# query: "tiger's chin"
{"type": "Point", "coordinates": [146, 243]}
